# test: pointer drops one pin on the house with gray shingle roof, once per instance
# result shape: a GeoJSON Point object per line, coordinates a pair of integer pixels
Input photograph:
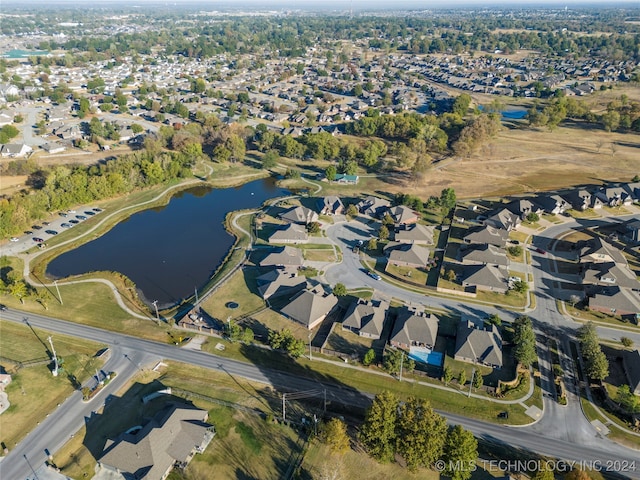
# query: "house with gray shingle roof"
{"type": "Point", "coordinates": [487, 234]}
{"type": "Point", "coordinates": [415, 233]}
{"type": "Point", "coordinates": [483, 255]}
{"type": "Point", "coordinates": [330, 205]}
{"type": "Point", "coordinates": [406, 255]}
{"type": "Point", "coordinates": [310, 307]}
{"type": "Point", "coordinates": [414, 328]}
{"type": "Point", "coordinates": [171, 438]}
{"type": "Point", "coordinates": [290, 233]}
{"type": "Point", "coordinates": [486, 277]}
{"type": "Point", "coordinates": [578, 199]}
{"type": "Point", "coordinates": [403, 215]}
{"type": "Point", "coordinates": [503, 219]}
{"type": "Point", "coordinates": [285, 256]}
{"type": "Point", "coordinates": [478, 345]}
{"type": "Point", "coordinates": [373, 206]}
{"type": "Point", "coordinates": [616, 301]}
{"type": "Point", "coordinates": [366, 318]}
{"type": "Point", "coordinates": [523, 207]}
{"type": "Point", "coordinates": [300, 215]}
{"type": "Point", "coordinates": [631, 365]}
{"type": "Point", "coordinates": [279, 282]}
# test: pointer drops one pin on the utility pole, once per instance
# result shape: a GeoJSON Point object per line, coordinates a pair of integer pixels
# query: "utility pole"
{"type": "Point", "coordinates": [284, 413]}
{"type": "Point", "coordinates": [55, 282]}
{"type": "Point", "coordinates": [473, 372]}
{"type": "Point", "coordinates": [310, 354]}
{"type": "Point", "coordinates": [55, 358]}
{"type": "Point", "coordinates": [401, 362]}
{"type": "Point", "coordinates": [155, 304]}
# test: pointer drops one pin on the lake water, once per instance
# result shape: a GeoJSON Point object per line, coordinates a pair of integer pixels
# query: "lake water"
{"type": "Point", "coordinates": [14, 54]}
{"type": "Point", "coordinates": [510, 113]}
{"type": "Point", "coordinates": [168, 251]}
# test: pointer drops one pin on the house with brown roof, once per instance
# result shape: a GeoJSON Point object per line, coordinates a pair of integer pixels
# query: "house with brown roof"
{"type": "Point", "coordinates": [403, 215]}
{"type": "Point", "coordinates": [170, 439]}
{"type": "Point", "coordinates": [415, 233]}
{"type": "Point", "coordinates": [475, 344]}
{"type": "Point", "coordinates": [483, 255]}
{"type": "Point", "coordinates": [373, 206]}
{"type": "Point", "coordinates": [487, 234]}
{"type": "Point", "coordinates": [366, 318]}
{"type": "Point", "coordinates": [523, 207]}
{"type": "Point", "coordinates": [414, 328]}
{"type": "Point", "coordinates": [310, 307]}
{"type": "Point", "coordinates": [486, 277]}
{"type": "Point", "coordinates": [578, 199]}
{"type": "Point", "coordinates": [616, 301]}
{"type": "Point", "coordinates": [279, 282]}
{"type": "Point", "coordinates": [504, 219]}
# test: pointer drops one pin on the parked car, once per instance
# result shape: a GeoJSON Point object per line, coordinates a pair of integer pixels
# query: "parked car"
{"type": "Point", "coordinates": [14, 239]}
{"type": "Point", "coordinates": [66, 225]}
{"type": "Point", "coordinates": [89, 212]}
{"type": "Point", "coordinates": [74, 222]}
{"type": "Point", "coordinates": [3, 308]}
{"type": "Point", "coordinates": [36, 227]}
{"type": "Point", "coordinates": [98, 210]}
{"type": "Point", "coordinates": [374, 275]}
{"type": "Point", "coordinates": [46, 223]}
{"type": "Point", "coordinates": [62, 214]}
{"type": "Point", "coordinates": [51, 232]}
{"type": "Point", "coordinates": [28, 232]}
{"type": "Point", "coordinates": [81, 217]}
{"type": "Point", "coordinates": [38, 239]}
{"type": "Point", "coordinates": [541, 251]}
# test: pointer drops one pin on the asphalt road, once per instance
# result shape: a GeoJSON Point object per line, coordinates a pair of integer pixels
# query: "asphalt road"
{"type": "Point", "coordinates": [57, 428]}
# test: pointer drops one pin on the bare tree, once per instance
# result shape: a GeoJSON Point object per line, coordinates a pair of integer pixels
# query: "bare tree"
{"type": "Point", "coordinates": [614, 149]}
{"type": "Point", "coordinates": [599, 144]}
{"type": "Point", "coordinates": [573, 299]}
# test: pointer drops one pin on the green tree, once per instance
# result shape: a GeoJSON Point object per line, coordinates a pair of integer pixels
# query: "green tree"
{"type": "Point", "coordinates": [19, 290]}
{"type": "Point", "coordinates": [626, 341]}
{"type": "Point", "coordinates": [627, 400]}
{"type": "Point", "coordinates": [515, 250]}
{"type": "Point", "coordinates": [330, 173]}
{"type": "Point", "coordinates": [462, 378]}
{"type": "Point", "coordinates": [448, 198]}
{"type": "Point", "coordinates": [532, 217]}
{"type": "Point", "coordinates": [369, 357]}
{"type": "Point", "coordinates": [461, 104]}
{"type": "Point", "coordinates": [520, 286]}
{"type": "Point", "coordinates": [137, 128]}
{"type": "Point", "coordinates": [524, 339]}
{"type": "Point", "coordinates": [597, 366]}
{"type": "Point", "coordinates": [270, 159]}
{"type": "Point", "coordinates": [421, 433]}
{"type": "Point", "coordinates": [383, 233]}
{"type": "Point", "coordinates": [247, 335]}
{"type": "Point", "coordinates": [494, 319]}
{"type": "Point", "coordinates": [543, 473]}
{"type": "Point", "coordinates": [478, 380]}
{"type": "Point", "coordinates": [447, 375]}
{"type": "Point", "coordinates": [334, 433]}
{"type": "Point", "coordinates": [372, 244]}
{"type": "Point", "coordinates": [313, 227]}
{"type": "Point", "coordinates": [352, 210]}
{"type": "Point", "coordinates": [461, 451]}
{"type": "Point", "coordinates": [378, 431]}
{"type": "Point", "coordinates": [387, 220]}
{"type": "Point", "coordinates": [340, 290]}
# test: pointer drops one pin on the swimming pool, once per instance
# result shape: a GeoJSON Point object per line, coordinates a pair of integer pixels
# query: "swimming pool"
{"type": "Point", "coordinates": [426, 355]}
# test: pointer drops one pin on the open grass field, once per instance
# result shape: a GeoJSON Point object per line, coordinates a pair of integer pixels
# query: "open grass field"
{"type": "Point", "coordinates": [240, 288]}
{"type": "Point", "coordinates": [28, 404]}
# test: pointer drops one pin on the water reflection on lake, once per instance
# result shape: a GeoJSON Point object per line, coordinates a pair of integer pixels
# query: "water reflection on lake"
{"type": "Point", "coordinates": [170, 250]}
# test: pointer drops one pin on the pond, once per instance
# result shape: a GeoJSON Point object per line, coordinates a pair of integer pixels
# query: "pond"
{"type": "Point", "coordinates": [171, 250]}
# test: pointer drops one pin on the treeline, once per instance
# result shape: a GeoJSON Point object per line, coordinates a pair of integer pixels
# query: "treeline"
{"type": "Point", "coordinates": [596, 364]}
{"type": "Point", "coordinates": [622, 114]}
{"type": "Point", "coordinates": [413, 431]}
{"type": "Point", "coordinates": [62, 187]}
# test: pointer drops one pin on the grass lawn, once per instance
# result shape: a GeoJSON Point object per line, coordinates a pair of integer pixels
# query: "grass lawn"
{"type": "Point", "coordinates": [598, 317]}
{"type": "Point", "coordinates": [616, 210]}
{"type": "Point", "coordinates": [28, 404]}
{"type": "Point", "coordinates": [350, 343]}
{"type": "Point", "coordinates": [319, 255]}
{"type": "Point", "coordinates": [240, 288]}
{"type": "Point", "coordinates": [269, 319]}
{"type": "Point", "coordinates": [410, 274]}
{"type": "Point", "coordinates": [519, 236]}
{"type": "Point", "coordinates": [588, 213]}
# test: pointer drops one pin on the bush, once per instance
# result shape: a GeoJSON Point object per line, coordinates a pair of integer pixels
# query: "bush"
{"type": "Point", "coordinates": [369, 357]}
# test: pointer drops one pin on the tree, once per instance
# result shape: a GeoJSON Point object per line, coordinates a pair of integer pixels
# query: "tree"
{"type": "Point", "coordinates": [247, 335]}
{"type": "Point", "coordinates": [543, 473]}
{"type": "Point", "coordinates": [392, 360]}
{"type": "Point", "coordinates": [339, 290]}
{"type": "Point", "coordinates": [369, 357]}
{"type": "Point", "coordinates": [461, 452]}
{"type": "Point", "coordinates": [387, 220]}
{"type": "Point", "coordinates": [447, 375]}
{"type": "Point", "coordinates": [448, 198]}
{"type": "Point", "coordinates": [378, 431]}
{"type": "Point", "coordinates": [462, 378]}
{"type": "Point", "coordinates": [515, 250]}
{"type": "Point", "coordinates": [270, 159]}
{"type": "Point", "coordinates": [19, 290]}
{"type": "Point", "coordinates": [627, 400]}
{"type": "Point", "coordinates": [532, 217]}
{"type": "Point", "coordinates": [626, 341]}
{"type": "Point", "coordinates": [383, 233]}
{"type": "Point", "coordinates": [421, 433]}
{"type": "Point", "coordinates": [524, 339]}
{"type": "Point", "coordinates": [461, 104]}
{"type": "Point", "coordinates": [450, 275]}
{"type": "Point", "coordinates": [334, 434]}
{"type": "Point", "coordinates": [478, 381]}
{"type": "Point", "coordinates": [520, 286]}
{"type": "Point", "coordinates": [494, 319]}
{"type": "Point", "coordinates": [372, 244]}
{"type": "Point", "coordinates": [331, 172]}
{"type": "Point", "coordinates": [597, 367]}
{"type": "Point", "coordinates": [313, 227]}
{"type": "Point", "coordinates": [352, 210]}
{"type": "Point", "coordinates": [137, 128]}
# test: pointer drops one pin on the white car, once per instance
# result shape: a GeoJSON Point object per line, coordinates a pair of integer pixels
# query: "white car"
{"type": "Point", "coordinates": [14, 239]}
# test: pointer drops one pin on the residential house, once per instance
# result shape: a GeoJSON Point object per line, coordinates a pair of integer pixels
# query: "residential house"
{"type": "Point", "coordinates": [285, 256]}
{"type": "Point", "coordinates": [5, 119]}
{"type": "Point", "coordinates": [632, 230]}
{"type": "Point", "coordinates": [330, 205]}
{"type": "Point", "coordinates": [503, 219]}
{"type": "Point", "coordinates": [279, 282]}
{"type": "Point", "coordinates": [552, 204]}
{"type": "Point", "coordinates": [15, 150]}
{"type": "Point", "coordinates": [373, 206]}
{"type": "Point", "coordinates": [300, 215]}
{"type": "Point", "coordinates": [486, 277]}
{"type": "Point", "coordinates": [597, 250]}
{"type": "Point", "coordinates": [415, 233]}
{"type": "Point", "coordinates": [344, 179]}
{"type": "Point", "coordinates": [406, 255]}
{"type": "Point", "coordinates": [310, 307]}
{"type": "Point", "coordinates": [477, 344]}
{"type": "Point", "coordinates": [366, 318]}
{"type": "Point", "coordinates": [523, 207]}
{"type": "Point", "coordinates": [414, 328]}
{"type": "Point", "coordinates": [403, 215]}
{"type": "Point", "coordinates": [614, 196]}
{"type": "Point", "coordinates": [487, 234]}
{"type": "Point", "coordinates": [634, 190]}
{"type": "Point", "coordinates": [483, 255]}
{"type": "Point", "coordinates": [170, 439]}
{"type": "Point", "coordinates": [290, 233]}
{"type": "Point", "coordinates": [616, 301]}
{"type": "Point", "coordinates": [68, 132]}
{"type": "Point", "coordinates": [53, 147]}
{"type": "Point", "coordinates": [578, 199]}
{"type": "Point", "coordinates": [631, 365]}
